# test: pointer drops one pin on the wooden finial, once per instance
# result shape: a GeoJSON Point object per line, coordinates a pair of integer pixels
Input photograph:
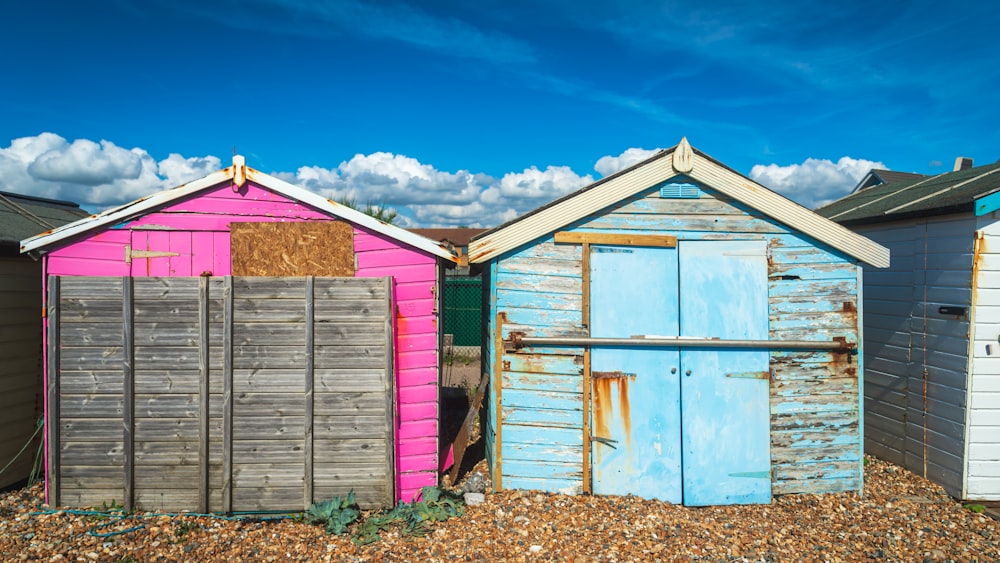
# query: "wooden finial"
{"type": "Point", "coordinates": [683, 161]}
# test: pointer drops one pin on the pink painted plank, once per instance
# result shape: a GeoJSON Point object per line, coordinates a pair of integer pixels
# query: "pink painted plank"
{"type": "Point", "coordinates": [417, 411]}
{"type": "Point", "coordinates": [401, 273]}
{"type": "Point", "coordinates": [83, 266]}
{"type": "Point", "coordinates": [416, 429]}
{"type": "Point", "coordinates": [416, 359]}
{"type": "Point", "coordinates": [422, 446]}
{"type": "Point", "coordinates": [193, 222]}
{"type": "Point", "coordinates": [423, 289]}
{"type": "Point", "coordinates": [393, 257]}
{"type": "Point", "coordinates": [412, 482]}
{"type": "Point", "coordinates": [181, 265]}
{"type": "Point", "coordinates": [427, 462]}
{"type": "Point", "coordinates": [417, 394]}
{"type": "Point", "coordinates": [95, 249]}
{"type": "Point", "coordinates": [223, 261]}
{"type": "Point", "coordinates": [417, 341]}
{"type": "Point", "coordinates": [416, 308]}
{"type": "Point", "coordinates": [203, 253]}
{"type": "Point", "coordinates": [365, 241]}
{"type": "Point", "coordinates": [411, 377]}
{"type": "Point", "coordinates": [241, 207]}
{"type": "Point", "coordinates": [405, 325]}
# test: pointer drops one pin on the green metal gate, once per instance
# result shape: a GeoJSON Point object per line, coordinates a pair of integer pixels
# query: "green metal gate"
{"type": "Point", "coordinates": [463, 309]}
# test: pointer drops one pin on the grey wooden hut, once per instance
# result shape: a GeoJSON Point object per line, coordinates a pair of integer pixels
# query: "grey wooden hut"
{"type": "Point", "coordinates": [21, 328]}
{"type": "Point", "coordinates": [931, 325]}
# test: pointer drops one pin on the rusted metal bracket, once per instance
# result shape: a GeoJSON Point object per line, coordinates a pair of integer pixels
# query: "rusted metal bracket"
{"type": "Point", "coordinates": [606, 441]}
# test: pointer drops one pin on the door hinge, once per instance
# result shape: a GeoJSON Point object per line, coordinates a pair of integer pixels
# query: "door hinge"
{"type": "Point", "coordinates": [130, 254]}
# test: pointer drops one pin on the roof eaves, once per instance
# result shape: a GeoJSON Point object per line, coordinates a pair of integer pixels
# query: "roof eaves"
{"type": "Point", "coordinates": [571, 207]}
{"type": "Point", "coordinates": [655, 170]}
{"type": "Point", "coordinates": [238, 172]}
{"type": "Point", "coordinates": [126, 211]}
{"type": "Point", "coordinates": [780, 208]}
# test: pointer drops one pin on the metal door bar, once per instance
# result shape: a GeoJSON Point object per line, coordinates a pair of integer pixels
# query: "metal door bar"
{"type": "Point", "coordinates": [518, 341]}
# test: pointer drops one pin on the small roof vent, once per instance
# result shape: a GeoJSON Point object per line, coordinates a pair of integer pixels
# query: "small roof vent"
{"type": "Point", "coordinates": [963, 163]}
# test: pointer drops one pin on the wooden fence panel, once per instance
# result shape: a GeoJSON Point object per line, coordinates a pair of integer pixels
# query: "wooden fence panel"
{"type": "Point", "coordinates": [221, 394]}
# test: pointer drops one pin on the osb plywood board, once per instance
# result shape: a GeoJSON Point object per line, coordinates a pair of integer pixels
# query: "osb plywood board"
{"type": "Point", "coordinates": [292, 249]}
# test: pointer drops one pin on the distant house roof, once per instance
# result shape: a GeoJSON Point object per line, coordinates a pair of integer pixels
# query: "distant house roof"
{"type": "Point", "coordinates": [457, 237]}
{"type": "Point", "coordinates": [664, 165]}
{"type": "Point", "coordinates": [238, 173]}
{"type": "Point", "coordinates": [951, 192]}
{"type": "Point", "coordinates": [22, 216]}
{"type": "Point", "coordinates": [876, 177]}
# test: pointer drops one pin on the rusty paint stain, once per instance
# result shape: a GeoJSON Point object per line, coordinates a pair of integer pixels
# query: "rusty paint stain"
{"type": "Point", "coordinates": [850, 307]}
{"type": "Point", "coordinates": [506, 365]}
{"type": "Point", "coordinates": [604, 402]}
{"type": "Point", "coordinates": [611, 374]}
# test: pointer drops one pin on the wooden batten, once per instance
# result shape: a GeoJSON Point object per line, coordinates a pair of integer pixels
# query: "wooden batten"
{"type": "Point", "coordinates": [575, 237]}
{"type": "Point", "coordinates": [585, 306]}
{"type": "Point", "coordinates": [309, 394]}
{"type": "Point", "coordinates": [498, 385]}
{"type": "Point", "coordinates": [227, 394]}
{"type": "Point", "coordinates": [203, 393]}
{"type": "Point", "coordinates": [128, 389]}
{"type": "Point", "coordinates": [52, 400]}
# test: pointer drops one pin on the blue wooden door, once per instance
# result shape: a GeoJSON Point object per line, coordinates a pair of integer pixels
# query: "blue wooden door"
{"type": "Point", "coordinates": [689, 426]}
{"type": "Point", "coordinates": [725, 408]}
{"type": "Point", "coordinates": [635, 397]}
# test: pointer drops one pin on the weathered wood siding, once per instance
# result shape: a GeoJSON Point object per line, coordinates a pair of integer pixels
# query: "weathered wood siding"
{"type": "Point", "coordinates": [983, 451]}
{"type": "Point", "coordinates": [192, 237]}
{"type": "Point", "coordinates": [20, 365]}
{"type": "Point", "coordinates": [813, 295]}
{"type": "Point", "coordinates": [918, 357]}
{"type": "Point", "coordinates": [220, 394]}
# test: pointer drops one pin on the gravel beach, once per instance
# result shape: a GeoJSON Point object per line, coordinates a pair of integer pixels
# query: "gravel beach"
{"type": "Point", "coordinates": [900, 517]}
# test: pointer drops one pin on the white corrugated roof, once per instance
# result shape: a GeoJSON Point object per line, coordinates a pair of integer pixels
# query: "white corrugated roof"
{"type": "Point", "coordinates": [659, 168]}
{"type": "Point", "coordinates": [237, 173]}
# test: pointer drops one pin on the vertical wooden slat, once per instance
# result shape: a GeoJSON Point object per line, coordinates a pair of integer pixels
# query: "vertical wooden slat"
{"type": "Point", "coordinates": [498, 382]}
{"type": "Point", "coordinates": [310, 382]}
{"type": "Point", "coordinates": [203, 389]}
{"type": "Point", "coordinates": [390, 388]}
{"type": "Point", "coordinates": [128, 389]}
{"type": "Point", "coordinates": [585, 305]}
{"type": "Point", "coordinates": [53, 423]}
{"type": "Point", "coordinates": [227, 395]}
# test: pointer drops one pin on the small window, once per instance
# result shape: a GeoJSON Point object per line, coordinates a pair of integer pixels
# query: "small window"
{"type": "Point", "coordinates": [679, 191]}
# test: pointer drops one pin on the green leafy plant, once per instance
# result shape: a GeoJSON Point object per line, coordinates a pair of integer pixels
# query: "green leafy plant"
{"type": "Point", "coordinates": [977, 508]}
{"type": "Point", "coordinates": [335, 514]}
{"type": "Point", "coordinates": [435, 505]}
{"type": "Point", "coordinates": [184, 527]}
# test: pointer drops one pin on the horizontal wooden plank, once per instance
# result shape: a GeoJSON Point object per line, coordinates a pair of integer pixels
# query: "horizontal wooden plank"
{"type": "Point", "coordinates": [576, 237]}
{"type": "Point", "coordinates": [268, 451]}
{"type": "Point", "coordinates": [269, 475]}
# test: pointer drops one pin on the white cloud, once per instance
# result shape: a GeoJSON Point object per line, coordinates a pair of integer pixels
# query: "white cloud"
{"type": "Point", "coordinates": [100, 175]}
{"type": "Point", "coordinates": [816, 181]}
{"type": "Point", "coordinates": [608, 165]}
{"type": "Point", "coordinates": [97, 175]}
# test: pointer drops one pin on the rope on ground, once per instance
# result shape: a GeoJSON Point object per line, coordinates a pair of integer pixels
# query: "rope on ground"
{"type": "Point", "coordinates": [119, 517]}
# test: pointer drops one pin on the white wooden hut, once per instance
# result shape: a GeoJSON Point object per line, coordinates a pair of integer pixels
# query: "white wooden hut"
{"type": "Point", "coordinates": [932, 324]}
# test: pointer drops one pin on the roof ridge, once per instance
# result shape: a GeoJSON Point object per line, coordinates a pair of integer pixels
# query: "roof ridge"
{"type": "Point", "coordinates": [890, 194]}
{"type": "Point", "coordinates": [941, 191]}
{"type": "Point", "coordinates": [26, 213]}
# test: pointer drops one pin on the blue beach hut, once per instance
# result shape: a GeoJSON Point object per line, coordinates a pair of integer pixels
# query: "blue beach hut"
{"type": "Point", "coordinates": [674, 331]}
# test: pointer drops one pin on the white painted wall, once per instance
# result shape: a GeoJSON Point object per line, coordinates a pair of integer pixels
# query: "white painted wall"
{"type": "Point", "coordinates": [916, 358]}
{"type": "Point", "coordinates": [983, 453]}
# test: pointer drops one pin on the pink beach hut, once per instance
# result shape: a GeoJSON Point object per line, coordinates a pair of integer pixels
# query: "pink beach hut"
{"type": "Point", "coordinates": [239, 344]}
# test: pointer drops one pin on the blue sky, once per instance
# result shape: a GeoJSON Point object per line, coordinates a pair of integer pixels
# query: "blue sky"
{"type": "Point", "coordinates": [470, 113]}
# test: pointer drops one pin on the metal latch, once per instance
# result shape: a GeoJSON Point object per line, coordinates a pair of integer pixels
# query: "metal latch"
{"type": "Point", "coordinates": [606, 441]}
